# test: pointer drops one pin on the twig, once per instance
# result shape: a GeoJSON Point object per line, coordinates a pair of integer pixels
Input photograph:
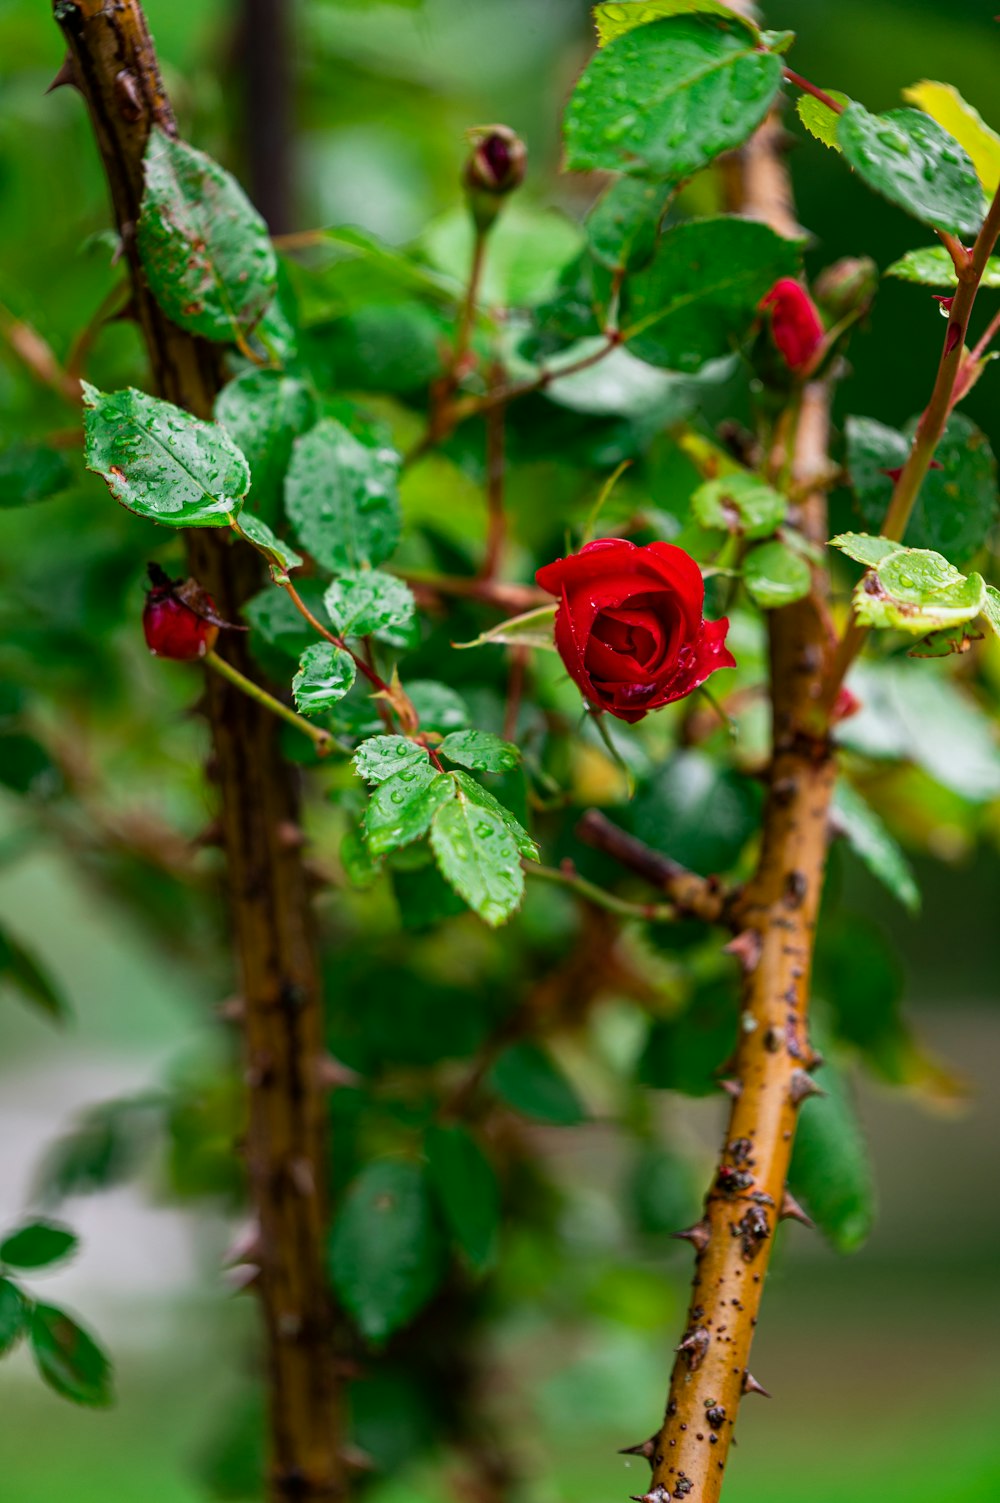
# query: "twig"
{"type": "Point", "coordinates": [321, 739]}
{"type": "Point", "coordinates": [690, 895]}
{"type": "Point", "coordinates": [513, 599]}
{"type": "Point", "coordinates": [496, 529]}
{"type": "Point", "coordinates": [652, 912]}
{"type": "Point", "coordinates": [37, 355]}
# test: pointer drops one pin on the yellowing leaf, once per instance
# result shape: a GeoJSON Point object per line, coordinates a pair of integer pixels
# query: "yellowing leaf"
{"type": "Point", "coordinates": [945, 104]}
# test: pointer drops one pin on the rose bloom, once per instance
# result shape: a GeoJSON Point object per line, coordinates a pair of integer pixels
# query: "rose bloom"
{"type": "Point", "coordinates": [630, 627]}
{"type": "Point", "coordinates": [796, 327]}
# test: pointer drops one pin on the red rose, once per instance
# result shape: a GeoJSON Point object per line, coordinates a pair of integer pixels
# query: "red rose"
{"type": "Point", "coordinates": [796, 327]}
{"type": "Point", "coordinates": [629, 625]}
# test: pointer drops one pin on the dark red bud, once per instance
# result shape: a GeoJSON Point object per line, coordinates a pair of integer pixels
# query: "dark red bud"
{"type": "Point", "coordinates": [796, 327]}
{"type": "Point", "coordinates": [845, 705]}
{"type": "Point", "coordinates": [172, 629]}
{"type": "Point", "coordinates": [495, 168]}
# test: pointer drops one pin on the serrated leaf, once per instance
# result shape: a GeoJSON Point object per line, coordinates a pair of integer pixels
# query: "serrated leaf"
{"type": "Point", "coordinates": [264, 411]}
{"type": "Point", "coordinates": [386, 1256]}
{"type": "Point", "coordinates": [37, 1244]}
{"type": "Point", "coordinates": [366, 600]}
{"type": "Point", "coordinates": [623, 226]}
{"type": "Point", "coordinates": [864, 548]}
{"type": "Point", "coordinates": [478, 855]}
{"type": "Point", "coordinates": [532, 629]}
{"type": "Point", "coordinates": [775, 575]}
{"type": "Point", "coordinates": [954, 114]}
{"type": "Point", "coordinates": [906, 157]}
{"type": "Point", "coordinates": [664, 99]}
{"type": "Point", "coordinates": [918, 591]}
{"type": "Point", "coordinates": [818, 118]}
{"type": "Point", "coordinates": [325, 674]}
{"type": "Point", "coordinates": [957, 503]}
{"type": "Point", "coordinates": [30, 473]}
{"type": "Point", "coordinates": [70, 1360]}
{"type": "Point", "coordinates": [381, 757]}
{"type": "Point", "coordinates": [699, 296]}
{"type": "Point", "coordinates": [614, 20]}
{"type": "Point", "coordinates": [991, 608]}
{"type": "Point", "coordinates": [870, 839]}
{"type": "Point", "coordinates": [466, 1186]}
{"type": "Point", "coordinates": [480, 749]}
{"type": "Point", "coordinates": [341, 497]}
{"type": "Point", "coordinates": [279, 555]}
{"type": "Point", "coordinates": [931, 266]}
{"type": "Point", "coordinates": [13, 1316]}
{"type": "Point", "coordinates": [830, 1171]}
{"type": "Point", "coordinates": [402, 807]}
{"type": "Point", "coordinates": [740, 503]}
{"type": "Point", "coordinates": [20, 971]}
{"type": "Point", "coordinates": [204, 248]}
{"type": "Point", "coordinates": [526, 1078]}
{"type": "Point", "coordinates": [483, 799]}
{"type": "Point", "coordinates": [161, 462]}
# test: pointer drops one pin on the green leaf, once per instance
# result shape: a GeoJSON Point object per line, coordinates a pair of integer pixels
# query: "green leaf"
{"type": "Point", "coordinates": [478, 855]}
{"type": "Point", "coordinates": [32, 472]}
{"type": "Point", "coordinates": [481, 798]}
{"type": "Point", "coordinates": [424, 898]}
{"type": "Point", "coordinates": [20, 971]}
{"type": "Point", "coordinates": [440, 708]}
{"type": "Point", "coordinates": [740, 503]}
{"type": "Point", "coordinates": [402, 807]}
{"type": "Point", "coordinates": [614, 20]}
{"type": "Point", "coordinates": [161, 462]}
{"type": "Point", "coordinates": [699, 296]}
{"type": "Point", "coordinates": [906, 157]}
{"type": "Point", "coordinates": [467, 1191]}
{"type": "Point", "coordinates": [69, 1359]}
{"type": "Point", "coordinates": [918, 591]}
{"type": "Point", "coordinates": [366, 600]}
{"type": "Point", "coordinates": [325, 675]}
{"type": "Point", "coordinates": [830, 1172]}
{"type": "Point", "coordinates": [667, 98]}
{"type": "Point", "coordinates": [526, 1078]}
{"type": "Point", "coordinates": [480, 749]}
{"type": "Point", "coordinates": [280, 557]}
{"type": "Point", "coordinates": [532, 629]}
{"type": "Point", "coordinates": [957, 504]}
{"type": "Point", "coordinates": [932, 266]}
{"type": "Point", "coordinates": [623, 226]}
{"type": "Point", "coordinates": [697, 812]}
{"type": "Point", "coordinates": [341, 497]}
{"type": "Point", "coordinates": [864, 548]}
{"type": "Point", "coordinates": [204, 248]}
{"type": "Point", "coordinates": [775, 575]}
{"type": "Point", "coordinates": [870, 839]}
{"type": "Point", "coordinates": [382, 757]}
{"type": "Point", "coordinates": [991, 608]}
{"type": "Point", "coordinates": [274, 615]}
{"type": "Point", "coordinates": [37, 1244]}
{"type": "Point", "coordinates": [386, 1254]}
{"type": "Point", "coordinates": [14, 1315]}
{"type": "Point", "coordinates": [818, 118]}
{"type": "Point", "coordinates": [263, 411]}
{"type": "Point", "coordinates": [954, 114]}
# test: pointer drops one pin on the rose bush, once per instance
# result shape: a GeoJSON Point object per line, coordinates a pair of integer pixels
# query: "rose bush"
{"type": "Point", "coordinates": [630, 627]}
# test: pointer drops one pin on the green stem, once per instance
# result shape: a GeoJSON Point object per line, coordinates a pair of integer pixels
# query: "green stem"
{"type": "Point", "coordinates": [657, 913]}
{"type": "Point", "coordinates": [322, 740]}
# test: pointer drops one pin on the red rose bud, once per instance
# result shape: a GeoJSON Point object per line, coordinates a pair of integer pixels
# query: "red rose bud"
{"type": "Point", "coordinates": [795, 324]}
{"type": "Point", "coordinates": [845, 705]}
{"type": "Point", "coordinates": [630, 628]}
{"type": "Point", "coordinates": [174, 628]}
{"type": "Point", "coordinates": [495, 168]}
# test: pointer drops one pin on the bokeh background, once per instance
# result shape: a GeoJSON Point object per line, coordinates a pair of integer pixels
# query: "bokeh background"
{"type": "Point", "coordinates": [885, 1368]}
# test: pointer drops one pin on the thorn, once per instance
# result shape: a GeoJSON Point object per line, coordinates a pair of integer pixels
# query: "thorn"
{"type": "Point", "coordinates": [732, 1088]}
{"type": "Point", "coordinates": [647, 1448]}
{"type": "Point", "coordinates": [212, 835]}
{"type": "Point", "coordinates": [242, 1277]}
{"type": "Point", "coordinates": [66, 75]}
{"type": "Point", "coordinates": [897, 470]}
{"type": "Point", "coordinates": [356, 1460]}
{"type": "Point", "coordinates": [699, 1234]}
{"type": "Point", "coordinates": [952, 338]}
{"type": "Point", "coordinates": [333, 1073]}
{"type": "Point", "coordinates": [232, 1010]}
{"type": "Point", "coordinates": [792, 1211]}
{"type": "Point", "coordinates": [300, 1172]}
{"type": "Point", "coordinates": [245, 1246]}
{"type": "Point", "coordinates": [802, 1086]}
{"type": "Point", "coordinates": [290, 835]}
{"type": "Point", "coordinates": [945, 302]}
{"type": "Point", "coordinates": [746, 947]}
{"type": "Point", "coordinates": [750, 1385]}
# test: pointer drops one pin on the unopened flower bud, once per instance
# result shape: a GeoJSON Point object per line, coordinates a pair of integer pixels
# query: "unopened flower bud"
{"type": "Point", "coordinates": [495, 168]}
{"type": "Point", "coordinates": [796, 327]}
{"type": "Point", "coordinates": [173, 627]}
{"type": "Point", "coordinates": [848, 286]}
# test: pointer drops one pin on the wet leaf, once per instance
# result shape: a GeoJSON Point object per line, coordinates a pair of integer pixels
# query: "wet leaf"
{"type": "Point", "coordinates": [480, 749]}
{"type": "Point", "coordinates": [954, 114]}
{"type": "Point", "coordinates": [818, 118]}
{"type": "Point", "coordinates": [775, 575]}
{"type": "Point", "coordinates": [870, 839]}
{"type": "Point", "coordinates": [831, 1172]}
{"type": "Point", "coordinates": [740, 503]}
{"type": "Point", "coordinates": [341, 497]}
{"type": "Point", "coordinates": [932, 266]}
{"type": "Point", "coordinates": [264, 412]}
{"type": "Point", "coordinates": [402, 807]}
{"type": "Point", "coordinates": [364, 601]}
{"type": "Point", "coordinates": [325, 674]}
{"type": "Point", "coordinates": [906, 157]}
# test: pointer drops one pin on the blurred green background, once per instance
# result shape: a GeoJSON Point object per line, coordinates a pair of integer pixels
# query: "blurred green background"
{"type": "Point", "coordinates": [885, 1368]}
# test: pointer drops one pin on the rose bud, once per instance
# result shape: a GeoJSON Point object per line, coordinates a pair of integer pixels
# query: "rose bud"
{"type": "Point", "coordinates": [173, 627]}
{"type": "Point", "coordinates": [796, 327]}
{"type": "Point", "coordinates": [495, 168]}
{"type": "Point", "coordinates": [847, 287]}
{"type": "Point", "coordinates": [630, 628]}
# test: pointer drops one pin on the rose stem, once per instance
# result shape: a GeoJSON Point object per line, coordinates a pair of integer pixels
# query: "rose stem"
{"type": "Point", "coordinates": [321, 739]}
